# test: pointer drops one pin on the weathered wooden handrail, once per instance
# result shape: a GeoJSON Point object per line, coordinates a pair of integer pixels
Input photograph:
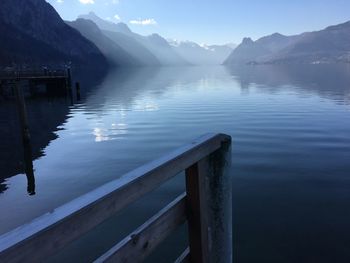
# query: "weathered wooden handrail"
{"type": "Point", "coordinates": [206, 206]}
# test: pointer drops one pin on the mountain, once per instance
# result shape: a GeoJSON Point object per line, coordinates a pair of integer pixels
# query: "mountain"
{"type": "Point", "coordinates": [201, 54]}
{"type": "Point", "coordinates": [330, 45]}
{"type": "Point", "coordinates": [106, 25]}
{"type": "Point", "coordinates": [260, 50]}
{"type": "Point", "coordinates": [162, 52]}
{"type": "Point", "coordinates": [133, 47]}
{"type": "Point", "coordinates": [325, 46]}
{"type": "Point", "coordinates": [115, 54]}
{"type": "Point", "coordinates": [33, 33]}
{"type": "Point", "coordinates": [101, 23]}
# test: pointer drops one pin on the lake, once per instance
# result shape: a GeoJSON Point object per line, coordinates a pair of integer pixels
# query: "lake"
{"type": "Point", "coordinates": [290, 154]}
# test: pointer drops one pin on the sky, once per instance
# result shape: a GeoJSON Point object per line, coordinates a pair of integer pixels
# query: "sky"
{"type": "Point", "coordinates": [213, 21]}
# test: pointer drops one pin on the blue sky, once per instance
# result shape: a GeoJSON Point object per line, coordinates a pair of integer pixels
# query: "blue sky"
{"type": "Point", "coordinates": [213, 21]}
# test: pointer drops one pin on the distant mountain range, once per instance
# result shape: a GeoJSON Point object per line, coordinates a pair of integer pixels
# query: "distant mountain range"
{"type": "Point", "coordinates": [112, 51]}
{"type": "Point", "coordinates": [33, 33]}
{"type": "Point", "coordinates": [331, 45]}
{"type": "Point", "coordinates": [201, 54]}
{"type": "Point", "coordinates": [162, 52]}
{"type": "Point", "coordinates": [165, 52]}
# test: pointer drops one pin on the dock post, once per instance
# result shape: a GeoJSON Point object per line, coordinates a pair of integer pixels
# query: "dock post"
{"type": "Point", "coordinates": [69, 85]}
{"type": "Point", "coordinates": [69, 78]}
{"type": "Point", "coordinates": [209, 208]}
{"type": "Point", "coordinates": [1, 89]}
{"type": "Point", "coordinates": [77, 87]}
{"type": "Point", "coordinates": [22, 113]}
{"type": "Point", "coordinates": [27, 147]}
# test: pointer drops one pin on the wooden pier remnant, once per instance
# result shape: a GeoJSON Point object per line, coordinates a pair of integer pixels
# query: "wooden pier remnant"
{"type": "Point", "coordinates": [206, 206]}
{"type": "Point", "coordinates": [57, 82]}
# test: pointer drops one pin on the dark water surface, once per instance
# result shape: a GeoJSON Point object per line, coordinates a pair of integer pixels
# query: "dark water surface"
{"type": "Point", "coordinates": [290, 160]}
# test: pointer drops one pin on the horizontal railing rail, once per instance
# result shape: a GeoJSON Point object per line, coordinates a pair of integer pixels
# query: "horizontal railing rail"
{"type": "Point", "coordinates": [205, 206]}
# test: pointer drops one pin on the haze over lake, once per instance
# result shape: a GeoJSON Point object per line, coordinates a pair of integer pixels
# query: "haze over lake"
{"type": "Point", "coordinates": [290, 170]}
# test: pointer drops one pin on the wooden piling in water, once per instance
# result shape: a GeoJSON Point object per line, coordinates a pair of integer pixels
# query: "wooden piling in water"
{"type": "Point", "coordinates": [77, 87]}
{"type": "Point", "coordinates": [27, 147]}
{"type": "Point", "coordinates": [69, 78]}
{"type": "Point", "coordinates": [22, 113]}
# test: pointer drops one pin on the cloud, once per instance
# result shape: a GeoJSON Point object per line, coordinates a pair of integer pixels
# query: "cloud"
{"type": "Point", "coordinates": [86, 2]}
{"type": "Point", "coordinates": [59, 1]}
{"type": "Point", "coordinates": [116, 17]}
{"type": "Point", "coordinates": [143, 22]}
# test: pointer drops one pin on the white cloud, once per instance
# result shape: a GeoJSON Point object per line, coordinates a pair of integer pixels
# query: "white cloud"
{"type": "Point", "coordinates": [117, 17]}
{"type": "Point", "coordinates": [59, 1]}
{"type": "Point", "coordinates": [143, 22]}
{"type": "Point", "coordinates": [86, 2]}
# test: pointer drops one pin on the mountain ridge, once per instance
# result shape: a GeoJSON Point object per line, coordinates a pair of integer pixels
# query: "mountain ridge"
{"type": "Point", "coordinates": [37, 25]}
{"type": "Point", "coordinates": [115, 54]}
{"type": "Point", "coordinates": [201, 54]}
{"type": "Point", "coordinates": [329, 45]}
{"type": "Point", "coordinates": [154, 43]}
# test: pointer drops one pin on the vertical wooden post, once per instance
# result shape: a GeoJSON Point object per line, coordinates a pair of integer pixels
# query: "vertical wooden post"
{"type": "Point", "coordinates": [197, 212]}
{"type": "Point", "coordinates": [22, 113]}
{"type": "Point", "coordinates": [219, 194]}
{"type": "Point", "coordinates": [209, 196]}
{"type": "Point", "coordinates": [27, 148]}
{"type": "Point", "coordinates": [77, 87]}
{"type": "Point", "coordinates": [1, 89]}
{"type": "Point", "coordinates": [69, 78]}
{"type": "Point", "coordinates": [69, 85]}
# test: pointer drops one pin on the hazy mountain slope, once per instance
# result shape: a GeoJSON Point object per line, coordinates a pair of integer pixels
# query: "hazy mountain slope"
{"type": "Point", "coordinates": [260, 50]}
{"type": "Point", "coordinates": [325, 46]}
{"type": "Point", "coordinates": [201, 55]}
{"type": "Point", "coordinates": [116, 55]}
{"type": "Point", "coordinates": [223, 51]}
{"type": "Point", "coordinates": [121, 35]}
{"type": "Point", "coordinates": [162, 50]}
{"type": "Point", "coordinates": [37, 24]}
{"type": "Point", "coordinates": [133, 47]}
{"type": "Point", "coordinates": [155, 44]}
{"type": "Point", "coordinates": [101, 23]}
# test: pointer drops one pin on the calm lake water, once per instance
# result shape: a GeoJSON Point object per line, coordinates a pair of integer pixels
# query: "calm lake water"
{"type": "Point", "coordinates": [290, 155]}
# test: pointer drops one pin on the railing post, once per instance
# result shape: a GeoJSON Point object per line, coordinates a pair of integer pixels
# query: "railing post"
{"type": "Point", "coordinates": [219, 189]}
{"type": "Point", "coordinates": [208, 186]}
{"type": "Point", "coordinates": [197, 211]}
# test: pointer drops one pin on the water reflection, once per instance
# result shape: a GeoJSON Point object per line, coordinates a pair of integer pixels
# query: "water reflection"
{"type": "Point", "coordinates": [29, 170]}
{"type": "Point", "coordinates": [45, 113]}
{"type": "Point", "coordinates": [328, 81]}
{"type": "Point", "coordinates": [290, 128]}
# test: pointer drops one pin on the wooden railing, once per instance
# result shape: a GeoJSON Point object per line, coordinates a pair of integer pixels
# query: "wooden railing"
{"type": "Point", "coordinates": [206, 206]}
